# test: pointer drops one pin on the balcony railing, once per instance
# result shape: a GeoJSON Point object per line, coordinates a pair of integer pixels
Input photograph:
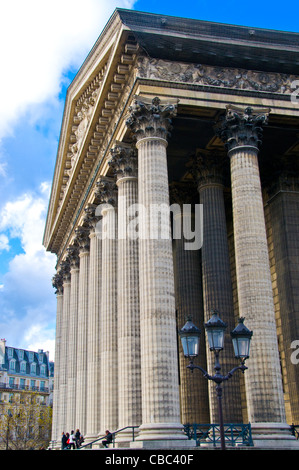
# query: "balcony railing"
{"type": "Point", "coordinates": [5, 386]}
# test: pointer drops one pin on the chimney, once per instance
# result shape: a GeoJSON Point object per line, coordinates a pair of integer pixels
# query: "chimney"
{"type": "Point", "coordinates": [2, 351]}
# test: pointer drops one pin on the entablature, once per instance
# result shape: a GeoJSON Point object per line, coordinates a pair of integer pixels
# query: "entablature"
{"type": "Point", "coordinates": [97, 103]}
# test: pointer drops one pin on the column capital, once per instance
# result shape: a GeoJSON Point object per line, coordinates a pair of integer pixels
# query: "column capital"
{"type": "Point", "coordinates": [242, 127]}
{"type": "Point", "coordinates": [123, 161]}
{"type": "Point", "coordinates": [106, 191]}
{"type": "Point", "coordinates": [151, 117]}
{"type": "Point", "coordinates": [57, 283]}
{"type": "Point", "coordinates": [73, 251]}
{"type": "Point", "coordinates": [208, 169]}
{"type": "Point", "coordinates": [65, 269]}
{"type": "Point", "coordinates": [283, 175]}
{"type": "Point", "coordinates": [90, 219]}
{"type": "Point", "coordinates": [82, 238]}
{"type": "Point", "coordinates": [182, 193]}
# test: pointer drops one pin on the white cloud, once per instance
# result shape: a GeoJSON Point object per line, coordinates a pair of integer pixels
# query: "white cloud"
{"type": "Point", "coordinates": [40, 41]}
{"type": "Point", "coordinates": [24, 218]}
{"type": "Point", "coordinates": [37, 337]}
{"type": "Point", "coordinates": [4, 242]}
{"type": "Point", "coordinates": [27, 300]}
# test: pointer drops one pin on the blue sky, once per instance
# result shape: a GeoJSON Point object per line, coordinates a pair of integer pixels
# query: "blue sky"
{"type": "Point", "coordinates": [43, 44]}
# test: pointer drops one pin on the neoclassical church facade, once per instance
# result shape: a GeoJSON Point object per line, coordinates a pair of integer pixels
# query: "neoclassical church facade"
{"type": "Point", "coordinates": [202, 117]}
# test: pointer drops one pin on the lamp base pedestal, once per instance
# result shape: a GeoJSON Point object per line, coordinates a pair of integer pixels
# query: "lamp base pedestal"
{"type": "Point", "coordinates": [162, 436]}
{"type": "Point", "coordinates": [176, 444]}
{"type": "Point", "coordinates": [273, 436]}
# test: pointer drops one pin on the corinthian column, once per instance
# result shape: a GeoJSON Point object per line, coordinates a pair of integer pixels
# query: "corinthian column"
{"type": "Point", "coordinates": [150, 123]}
{"type": "Point", "coordinates": [241, 130]}
{"type": "Point", "coordinates": [216, 278]}
{"type": "Point", "coordinates": [94, 324]}
{"type": "Point", "coordinates": [107, 191]}
{"type": "Point", "coordinates": [189, 304]}
{"type": "Point", "coordinates": [81, 382]}
{"type": "Point", "coordinates": [124, 163]}
{"type": "Point", "coordinates": [72, 342]}
{"type": "Point", "coordinates": [64, 344]}
{"type": "Point", "coordinates": [57, 282]}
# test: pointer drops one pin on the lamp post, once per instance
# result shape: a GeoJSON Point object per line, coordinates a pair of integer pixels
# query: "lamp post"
{"type": "Point", "coordinates": [215, 328]}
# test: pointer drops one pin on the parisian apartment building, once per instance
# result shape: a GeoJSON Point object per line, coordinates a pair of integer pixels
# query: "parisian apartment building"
{"type": "Point", "coordinates": [22, 370]}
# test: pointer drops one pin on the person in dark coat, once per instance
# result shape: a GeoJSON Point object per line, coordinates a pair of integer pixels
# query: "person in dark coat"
{"type": "Point", "coordinates": [63, 441]}
{"type": "Point", "coordinates": [78, 438]}
{"type": "Point", "coordinates": [108, 439]}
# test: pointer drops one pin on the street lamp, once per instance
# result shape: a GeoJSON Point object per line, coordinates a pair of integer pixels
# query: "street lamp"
{"type": "Point", "coordinates": [190, 336]}
{"type": "Point", "coordinates": [215, 328]}
{"type": "Point", "coordinates": [241, 338]}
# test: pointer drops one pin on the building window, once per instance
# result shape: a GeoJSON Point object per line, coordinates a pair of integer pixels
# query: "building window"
{"type": "Point", "coordinates": [21, 354]}
{"type": "Point", "coordinates": [11, 381]}
{"type": "Point", "coordinates": [32, 384]}
{"type": "Point", "coordinates": [23, 367]}
{"type": "Point", "coordinates": [42, 385]}
{"type": "Point", "coordinates": [12, 365]}
{"type": "Point", "coordinates": [43, 369]}
{"type": "Point", "coordinates": [33, 368]}
{"type": "Point", "coordinates": [10, 352]}
{"type": "Point", "coordinates": [31, 356]}
{"type": "Point", "coordinates": [22, 384]}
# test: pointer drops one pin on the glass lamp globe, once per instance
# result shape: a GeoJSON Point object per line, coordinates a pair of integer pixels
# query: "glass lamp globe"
{"type": "Point", "coordinates": [190, 336]}
{"type": "Point", "coordinates": [241, 338]}
{"type": "Point", "coordinates": [215, 329]}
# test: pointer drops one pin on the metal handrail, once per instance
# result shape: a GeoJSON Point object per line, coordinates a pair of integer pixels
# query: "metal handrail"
{"type": "Point", "coordinates": [113, 437]}
{"type": "Point", "coordinates": [210, 433]}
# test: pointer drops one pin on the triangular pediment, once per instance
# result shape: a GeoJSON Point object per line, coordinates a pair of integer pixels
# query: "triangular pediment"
{"type": "Point", "coordinates": [159, 51]}
{"type": "Point", "coordinates": [91, 103]}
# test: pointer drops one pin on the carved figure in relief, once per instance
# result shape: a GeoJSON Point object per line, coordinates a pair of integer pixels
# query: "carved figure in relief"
{"type": "Point", "coordinates": [84, 117]}
{"type": "Point", "coordinates": [215, 76]}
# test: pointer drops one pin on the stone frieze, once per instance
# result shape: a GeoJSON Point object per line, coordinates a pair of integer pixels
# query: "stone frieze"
{"type": "Point", "coordinates": [227, 77]}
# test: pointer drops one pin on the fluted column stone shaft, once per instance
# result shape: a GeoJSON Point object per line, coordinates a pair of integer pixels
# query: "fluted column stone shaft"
{"type": "Point", "coordinates": [241, 131]}
{"type": "Point", "coordinates": [56, 430]}
{"type": "Point", "coordinates": [216, 278]}
{"type": "Point", "coordinates": [124, 163]}
{"type": "Point", "coordinates": [189, 304]}
{"type": "Point", "coordinates": [150, 122]}
{"type": "Point", "coordinates": [64, 347]}
{"type": "Point", "coordinates": [93, 425]}
{"type": "Point", "coordinates": [283, 209]}
{"type": "Point", "coordinates": [72, 342]}
{"type": "Point", "coordinates": [81, 382]}
{"type": "Point", "coordinates": [108, 338]}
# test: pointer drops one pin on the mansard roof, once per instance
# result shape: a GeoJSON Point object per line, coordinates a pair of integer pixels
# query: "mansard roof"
{"type": "Point", "coordinates": [20, 356]}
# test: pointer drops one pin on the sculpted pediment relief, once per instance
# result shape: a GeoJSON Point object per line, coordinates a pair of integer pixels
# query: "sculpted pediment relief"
{"type": "Point", "coordinates": [83, 118]}
{"type": "Point", "coordinates": [227, 77]}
